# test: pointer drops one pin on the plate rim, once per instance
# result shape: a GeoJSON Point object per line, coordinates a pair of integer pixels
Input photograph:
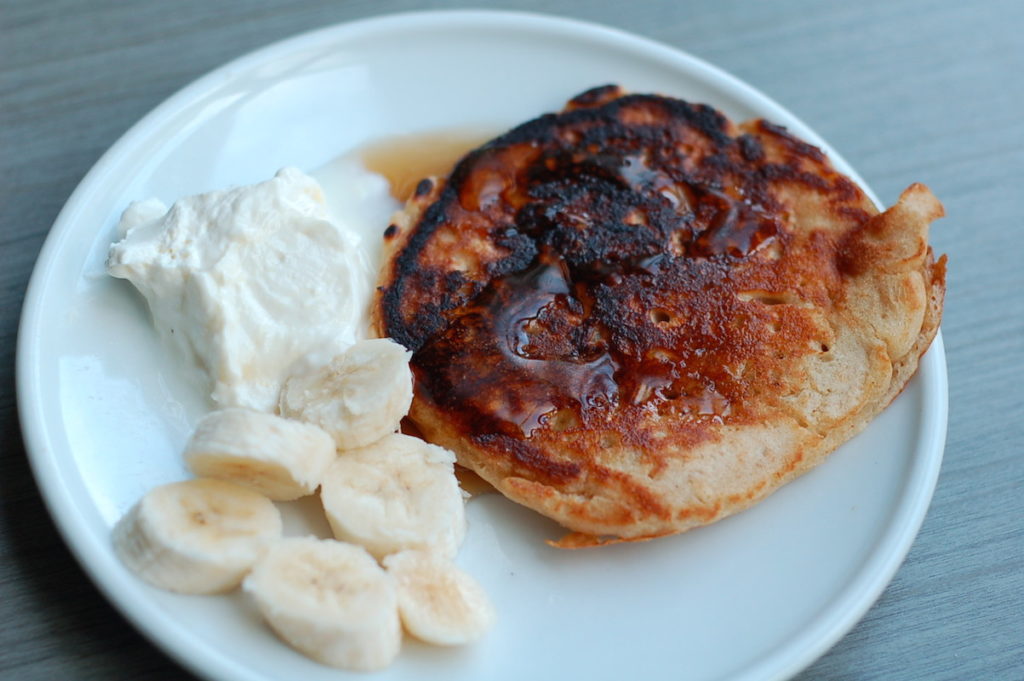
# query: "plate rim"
{"type": "Point", "coordinates": [836, 618]}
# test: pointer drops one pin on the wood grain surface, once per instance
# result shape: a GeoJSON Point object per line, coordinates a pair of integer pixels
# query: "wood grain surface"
{"type": "Point", "coordinates": [906, 91]}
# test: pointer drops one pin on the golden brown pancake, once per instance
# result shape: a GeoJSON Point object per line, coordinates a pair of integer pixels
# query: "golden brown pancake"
{"type": "Point", "coordinates": [637, 317]}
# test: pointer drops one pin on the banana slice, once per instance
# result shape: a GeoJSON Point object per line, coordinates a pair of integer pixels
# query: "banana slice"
{"type": "Point", "coordinates": [329, 600]}
{"type": "Point", "coordinates": [438, 602]}
{"type": "Point", "coordinates": [395, 494]}
{"type": "Point", "coordinates": [281, 459]}
{"type": "Point", "coordinates": [359, 397]}
{"type": "Point", "coordinates": [198, 536]}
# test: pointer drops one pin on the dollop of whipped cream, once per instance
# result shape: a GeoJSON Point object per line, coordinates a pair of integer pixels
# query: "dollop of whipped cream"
{"type": "Point", "coordinates": [248, 284]}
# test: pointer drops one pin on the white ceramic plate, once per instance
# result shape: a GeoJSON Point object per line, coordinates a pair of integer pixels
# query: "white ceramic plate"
{"type": "Point", "coordinates": [757, 596]}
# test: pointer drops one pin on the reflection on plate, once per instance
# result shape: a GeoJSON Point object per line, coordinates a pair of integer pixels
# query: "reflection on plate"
{"type": "Point", "coordinates": [757, 596]}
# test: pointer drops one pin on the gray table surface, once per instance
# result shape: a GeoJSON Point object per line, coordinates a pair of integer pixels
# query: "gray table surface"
{"type": "Point", "coordinates": [906, 91]}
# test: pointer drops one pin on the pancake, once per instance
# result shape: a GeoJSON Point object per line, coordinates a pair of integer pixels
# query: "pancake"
{"type": "Point", "coordinates": [636, 317]}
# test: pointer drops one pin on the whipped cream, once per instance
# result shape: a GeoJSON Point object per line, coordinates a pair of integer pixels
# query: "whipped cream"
{"type": "Point", "coordinates": [253, 283]}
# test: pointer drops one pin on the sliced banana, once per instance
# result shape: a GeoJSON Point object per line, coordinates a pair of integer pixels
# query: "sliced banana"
{"type": "Point", "coordinates": [329, 600]}
{"type": "Point", "coordinates": [359, 397]}
{"type": "Point", "coordinates": [395, 494]}
{"type": "Point", "coordinates": [281, 459]}
{"type": "Point", "coordinates": [198, 536]}
{"type": "Point", "coordinates": [438, 602]}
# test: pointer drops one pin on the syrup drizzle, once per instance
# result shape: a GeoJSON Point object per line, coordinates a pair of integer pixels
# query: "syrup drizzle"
{"type": "Point", "coordinates": [404, 160]}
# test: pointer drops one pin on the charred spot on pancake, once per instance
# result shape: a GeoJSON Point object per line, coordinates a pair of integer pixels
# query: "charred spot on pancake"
{"type": "Point", "coordinates": [423, 187]}
{"type": "Point", "coordinates": [751, 148]}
